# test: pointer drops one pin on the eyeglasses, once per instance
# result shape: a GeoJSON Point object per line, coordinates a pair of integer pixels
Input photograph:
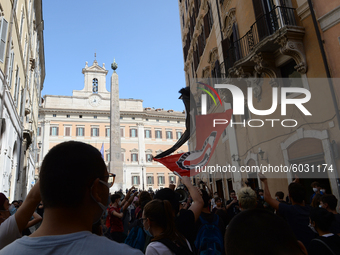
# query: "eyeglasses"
{"type": "Point", "coordinates": [110, 180]}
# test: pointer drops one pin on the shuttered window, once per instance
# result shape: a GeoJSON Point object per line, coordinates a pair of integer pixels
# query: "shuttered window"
{"type": "Point", "coordinates": [133, 132]}
{"type": "Point", "coordinates": [107, 132]}
{"type": "Point", "coordinates": [147, 133]}
{"type": "Point", "coordinates": [178, 134]}
{"type": "Point", "coordinates": [80, 131]}
{"type": "Point", "coordinates": [3, 35]}
{"type": "Point", "coordinates": [39, 131]}
{"type": "Point", "coordinates": [67, 131]}
{"type": "Point", "coordinates": [10, 70]}
{"type": "Point", "coordinates": [134, 157]}
{"type": "Point", "coordinates": [148, 157]}
{"type": "Point", "coordinates": [108, 157]}
{"type": "Point", "coordinates": [172, 179]}
{"type": "Point", "coordinates": [122, 132]}
{"type": "Point", "coordinates": [158, 134]}
{"type": "Point", "coordinates": [168, 134]}
{"type": "Point", "coordinates": [54, 131]}
{"type": "Point", "coordinates": [150, 180]}
{"type": "Point", "coordinates": [161, 180]}
{"type": "Point", "coordinates": [94, 132]}
{"type": "Point", "coordinates": [135, 180]}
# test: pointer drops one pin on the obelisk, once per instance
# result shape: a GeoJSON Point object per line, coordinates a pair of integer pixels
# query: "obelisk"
{"type": "Point", "coordinates": [116, 164]}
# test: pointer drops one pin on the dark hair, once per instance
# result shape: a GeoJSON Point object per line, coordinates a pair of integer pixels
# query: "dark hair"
{"type": "Point", "coordinates": [218, 199]}
{"type": "Point", "coordinates": [331, 200]}
{"type": "Point", "coordinates": [144, 196]}
{"type": "Point", "coordinates": [160, 213]}
{"type": "Point", "coordinates": [170, 195]}
{"type": "Point", "coordinates": [315, 184]}
{"type": "Point", "coordinates": [114, 197]}
{"type": "Point", "coordinates": [297, 192]}
{"type": "Point", "coordinates": [279, 194]}
{"type": "Point", "coordinates": [15, 201]}
{"type": "Point", "coordinates": [205, 197]}
{"type": "Point", "coordinates": [67, 171]}
{"type": "Point", "coordinates": [259, 190]}
{"type": "Point", "coordinates": [323, 219]}
{"type": "Point", "coordinates": [316, 200]}
{"type": "Point", "coordinates": [276, 235]}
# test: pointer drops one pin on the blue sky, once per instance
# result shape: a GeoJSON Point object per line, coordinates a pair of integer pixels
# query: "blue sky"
{"type": "Point", "coordinates": [143, 36]}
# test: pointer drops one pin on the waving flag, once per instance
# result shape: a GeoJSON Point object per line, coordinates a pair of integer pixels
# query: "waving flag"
{"type": "Point", "coordinates": [207, 136]}
{"type": "Point", "coordinates": [102, 150]}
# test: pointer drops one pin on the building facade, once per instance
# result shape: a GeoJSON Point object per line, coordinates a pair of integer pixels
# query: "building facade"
{"type": "Point", "coordinates": [233, 39]}
{"type": "Point", "coordinates": [22, 72]}
{"type": "Point", "coordinates": [85, 116]}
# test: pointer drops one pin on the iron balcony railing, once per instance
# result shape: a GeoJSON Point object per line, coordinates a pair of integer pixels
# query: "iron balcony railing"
{"type": "Point", "coordinates": [263, 27]}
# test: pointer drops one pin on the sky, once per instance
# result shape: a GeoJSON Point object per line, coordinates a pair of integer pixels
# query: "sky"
{"type": "Point", "coordinates": [144, 37]}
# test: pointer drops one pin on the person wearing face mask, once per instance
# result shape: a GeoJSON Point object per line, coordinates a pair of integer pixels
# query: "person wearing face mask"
{"type": "Point", "coordinates": [158, 223]}
{"type": "Point", "coordinates": [116, 222]}
{"type": "Point", "coordinates": [213, 202]}
{"type": "Point", "coordinates": [316, 190]}
{"type": "Point", "coordinates": [326, 243]}
{"type": "Point", "coordinates": [74, 187]}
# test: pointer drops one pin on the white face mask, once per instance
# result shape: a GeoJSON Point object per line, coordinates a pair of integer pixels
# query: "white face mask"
{"type": "Point", "coordinates": [323, 190]}
{"type": "Point", "coordinates": [315, 189]}
{"type": "Point", "coordinates": [320, 206]}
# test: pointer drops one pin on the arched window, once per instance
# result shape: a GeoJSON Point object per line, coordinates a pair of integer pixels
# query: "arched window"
{"type": "Point", "coordinates": [95, 85]}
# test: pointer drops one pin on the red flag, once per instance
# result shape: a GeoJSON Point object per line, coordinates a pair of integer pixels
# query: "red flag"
{"type": "Point", "coordinates": [207, 136]}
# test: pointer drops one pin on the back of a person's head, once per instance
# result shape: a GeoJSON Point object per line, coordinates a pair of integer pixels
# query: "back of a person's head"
{"type": "Point", "coordinates": [258, 232]}
{"type": "Point", "coordinates": [205, 197]}
{"type": "Point", "coordinates": [247, 198]}
{"type": "Point", "coordinates": [279, 194]}
{"type": "Point", "coordinates": [170, 195]}
{"type": "Point", "coordinates": [67, 171]}
{"type": "Point", "coordinates": [323, 219]}
{"type": "Point", "coordinates": [114, 197]}
{"type": "Point", "coordinates": [316, 200]}
{"type": "Point", "coordinates": [297, 192]}
{"type": "Point", "coordinates": [144, 196]}
{"type": "Point", "coordinates": [331, 200]}
{"type": "Point", "coordinates": [159, 212]}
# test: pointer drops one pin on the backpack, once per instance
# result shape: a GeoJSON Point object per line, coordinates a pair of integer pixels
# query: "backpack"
{"type": "Point", "coordinates": [136, 237]}
{"type": "Point", "coordinates": [209, 239]}
{"type": "Point", "coordinates": [174, 248]}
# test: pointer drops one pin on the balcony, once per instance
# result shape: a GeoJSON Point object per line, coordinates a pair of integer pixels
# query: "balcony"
{"type": "Point", "coordinates": [275, 30]}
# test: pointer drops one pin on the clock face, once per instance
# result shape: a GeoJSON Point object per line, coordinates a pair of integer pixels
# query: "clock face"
{"type": "Point", "coordinates": [94, 100]}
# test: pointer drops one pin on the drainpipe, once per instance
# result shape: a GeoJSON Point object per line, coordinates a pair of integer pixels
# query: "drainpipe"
{"type": "Point", "coordinates": [324, 58]}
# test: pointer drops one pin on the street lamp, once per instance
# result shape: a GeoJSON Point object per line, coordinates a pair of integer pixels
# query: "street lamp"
{"type": "Point", "coordinates": [142, 161]}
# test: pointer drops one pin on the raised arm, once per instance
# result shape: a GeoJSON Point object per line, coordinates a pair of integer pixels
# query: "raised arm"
{"type": "Point", "coordinates": [267, 197]}
{"type": "Point", "coordinates": [126, 205]}
{"type": "Point", "coordinates": [26, 210]}
{"type": "Point", "coordinates": [36, 219]}
{"type": "Point", "coordinates": [196, 196]}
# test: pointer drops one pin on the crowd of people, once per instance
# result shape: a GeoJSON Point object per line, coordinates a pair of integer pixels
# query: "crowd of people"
{"type": "Point", "coordinates": [73, 213]}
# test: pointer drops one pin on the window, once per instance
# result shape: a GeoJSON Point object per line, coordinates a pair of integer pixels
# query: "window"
{"type": "Point", "coordinates": [122, 157]}
{"type": "Point", "coordinates": [178, 134]}
{"type": "Point", "coordinates": [168, 134]}
{"type": "Point", "coordinates": [17, 86]}
{"type": "Point", "coordinates": [158, 134]}
{"type": "Point", "coordinates": [10, 67]}
{"type": "Point", "coordinates": [54, 131]}
{"type": "Point", "coordinates": [290, 74]}
{"type": "Point", "coordinates": [133, 132]}
{"type": "Point", "coordinates": [120, 117]}
{"type": "Point", "coordinates": [168, 121]}
{"type": "Point", "coordinates": [134, 157]}
{"type": "Point", "coordinates": [178, 121]}
{"type": "Point", "coordinates": [80, 116]}
{"type": "Point", "coordinates": [107, 156]}
{"type": "Point", "coordinates": [39, 131]}
{"type": "Point", "coordinates": [80, 131]}
{"type": "Point", "coordinates": [122, 132]}
{"type": "Point", "coordinates": [95, 85]}
{"type": "Point", "coordinates": [3, 37]}
{"type": "Point", "coordinates": [149, 180]}
{"type": "Point", "coordinates": [172, 179]}
{"type": "Point", "coordinates": [135, 180]}
{"type": "Point", "coordinates": [161, 180]}
{"type": "Point", "coordinates": [147, 133]}
{"type": "Point", "coordinates": [157, 120]}
{"type": "Point", "coordinates": [95, 117]}
{"type": "Point", "coordinates": [133, 118]}
{"type": "Point", "coordinates": [148, 157]}
{"type": "Point", "coordinates": [146, 119]}
{"type": "Point", "coordinates": [107, 132]}
{"type": "Point", "coordinates": [94, 132]}
{"type": "Point", "coordinates": [67, 116]}
{"type": "Point", "coordinates": [67, 131]}
{"type": "Point", "coordinates": [54, 115]}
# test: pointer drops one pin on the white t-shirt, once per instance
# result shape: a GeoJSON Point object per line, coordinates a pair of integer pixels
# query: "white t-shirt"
{"type": "Point", "coordinates": [9, 231]}
{"type": "Point", "coordinates": [83, 242]}
{"type": "Point", "coordinates": [157, 248]}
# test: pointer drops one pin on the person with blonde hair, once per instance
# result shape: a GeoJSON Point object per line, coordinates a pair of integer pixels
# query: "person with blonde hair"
{"type": "Point", "coordinates": [246, 198]}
